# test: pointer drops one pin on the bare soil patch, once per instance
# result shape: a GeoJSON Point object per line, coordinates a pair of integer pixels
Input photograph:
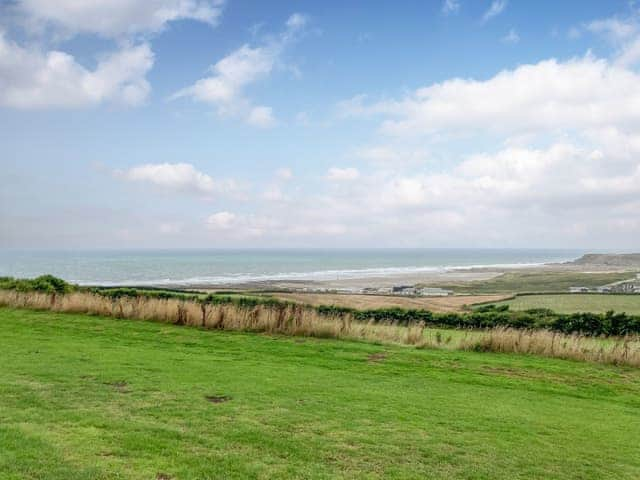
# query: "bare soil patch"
{"type": "Point", "coordinates": [120, 386]}
{"type": "Point", "coordinates": [376, 357]}
{"type": "Point", "coordinates": [218, 398]}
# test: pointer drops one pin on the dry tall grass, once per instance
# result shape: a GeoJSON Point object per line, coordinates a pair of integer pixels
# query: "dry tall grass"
{"type": "Point", "coordinates": [617, 351]}
{"type": "Point", "coordinates": [299, 320]}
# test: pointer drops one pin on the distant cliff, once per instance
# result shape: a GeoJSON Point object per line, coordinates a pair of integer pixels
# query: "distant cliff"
{"type": "Point", "coordinates": [609, 260]}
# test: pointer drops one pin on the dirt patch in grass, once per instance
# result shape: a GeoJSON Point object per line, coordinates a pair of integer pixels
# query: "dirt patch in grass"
{"type": "Point", "coordinates": [217, 398]}
{"type": "Point", "coordinates": [120, 386]}
{"type": "Point", "coordinates": [376, 357]}
{"type": "Point", "coordinates": [163, 476]}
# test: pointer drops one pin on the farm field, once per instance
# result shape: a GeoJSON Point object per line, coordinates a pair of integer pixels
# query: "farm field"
{"type": "Point", "coordinates": [452, 303]}
{"type": "Point", "coordinates": [85, 397]}
{"type": "Point", "coordinates": [537, 281]}
{"type": "Point", "coordinates": [576, 302]}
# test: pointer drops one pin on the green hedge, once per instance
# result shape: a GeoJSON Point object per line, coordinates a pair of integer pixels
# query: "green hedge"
{"type": "Point", "coordinates": [486, 316]}
{"type": "Point", "coordinates": [43, 283]}
{"type": "Point", "coordinates": [491, 316]}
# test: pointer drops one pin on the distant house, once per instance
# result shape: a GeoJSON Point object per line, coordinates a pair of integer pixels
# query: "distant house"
{"type": "Point", "coordinates": [426, 291]}
{"type": "Point", "coordinates": [623, 286]}
{"type": "Point", "coordinates": [627, 287]}
{"type": "Point", "coordinates": [433, 292]}
{"type": "Point", "coordinates": [403, 290]}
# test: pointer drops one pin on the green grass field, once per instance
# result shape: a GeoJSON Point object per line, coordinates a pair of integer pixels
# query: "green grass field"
{"type": "Point", "coordinates": [98, 398]}
{"type": "Point", "coordinates": [519, 282]}
{"type": "Point", "coordinates": [576, 302]}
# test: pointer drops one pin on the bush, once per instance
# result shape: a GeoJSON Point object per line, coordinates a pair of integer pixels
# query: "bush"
{"type": "Point", "coordinates": [43, 283]}
{"type": "Point", "coordinates": [492, 307]}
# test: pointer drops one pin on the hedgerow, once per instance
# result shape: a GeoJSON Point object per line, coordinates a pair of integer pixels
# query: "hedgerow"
{"type": "Point", "coordinates": [486, 316]}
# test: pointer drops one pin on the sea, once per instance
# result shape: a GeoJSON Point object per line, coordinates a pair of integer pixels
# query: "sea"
{"type": "Point", "coordinates": [231, 267]}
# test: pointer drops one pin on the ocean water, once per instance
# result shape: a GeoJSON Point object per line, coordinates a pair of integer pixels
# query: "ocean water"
{"type": "Point", "coordinates": [228, 267]}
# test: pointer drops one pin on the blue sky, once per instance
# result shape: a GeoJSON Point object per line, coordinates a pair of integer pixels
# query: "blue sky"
{"type": "Point", "coordinates": [422, 124]}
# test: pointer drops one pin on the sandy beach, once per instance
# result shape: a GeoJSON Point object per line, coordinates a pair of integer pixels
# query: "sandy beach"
{"type": "Point", "coordinates": [454, 276]}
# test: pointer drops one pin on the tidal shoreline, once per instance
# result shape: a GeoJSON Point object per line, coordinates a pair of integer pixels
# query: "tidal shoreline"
{"type": "Point", "coordinates": [461, 275]}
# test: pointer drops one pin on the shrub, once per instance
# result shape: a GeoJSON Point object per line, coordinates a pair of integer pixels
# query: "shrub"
{"type": "Point", "coordinates": [43, 283]}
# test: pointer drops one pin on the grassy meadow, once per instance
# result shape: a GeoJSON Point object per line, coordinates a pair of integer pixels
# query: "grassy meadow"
{"type": "Point", "coordinates": [532, 281]}
{"type": "Point", "coordinates": [576, 302]}
{"type": "Point", "coordinates": [89, 397]}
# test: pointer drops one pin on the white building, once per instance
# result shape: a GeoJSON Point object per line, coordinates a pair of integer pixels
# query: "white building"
{"type": "Point", "coordinates": [434, 292]}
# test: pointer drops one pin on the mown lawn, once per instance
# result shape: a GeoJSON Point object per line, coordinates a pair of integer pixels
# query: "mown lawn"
{"type": "Point", "coordinates": [576, 302]}
{"type": "Point", "coordinates": [97, 398]}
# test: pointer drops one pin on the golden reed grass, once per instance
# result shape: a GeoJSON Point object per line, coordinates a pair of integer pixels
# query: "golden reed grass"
{"type": "Point", "coordinates": [286, 319]}
{"type": "Point", "coordinates": [300, 320]}
{"type": "Point", "coordinates": [617, 351]}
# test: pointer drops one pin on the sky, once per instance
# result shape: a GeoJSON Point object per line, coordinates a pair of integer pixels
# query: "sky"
{"type": "Point", "coordinates": [209, 123]}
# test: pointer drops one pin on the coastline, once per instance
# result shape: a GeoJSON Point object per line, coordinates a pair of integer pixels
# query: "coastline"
{"type": "Point", "coordinates": [453, 275]}
{"type": "Point", "coordinates": [278, 271]}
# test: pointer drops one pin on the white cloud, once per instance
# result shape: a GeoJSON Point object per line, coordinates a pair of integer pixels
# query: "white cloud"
{"type": "Point", "coordinates": [560, 177]}
{"type": "Point", "coordinates": [176, 177]}
{"type": "Point", "coordinates": [297, 21]}
{"type": "Point", "coordinates": [450, 6]}
{"type": "Point", "coordinates": [562, 191]}
{"type": "Point", "coordinates": [274, 193]}
{"type": "Point", "coordinates": [279, 227]}
{"type": "Point", "coordinates": [559, 192]}
{"type": "Point", "coordinates": [547, 96]}
{"type": "Point", "coordinates": [231, 75]}
{"type": "Point", "coordinates": [379, 154]}
{"type": "Point", "coordinates": [629, 55]}
{"type": "Point", "coordinates": [623, 33]}
{"type": "Point", "coordinates": [615, 29]}
{"type": "Point", "coordinates": [496, 8]}
{"type": "Point", "coordinates": [574, 33]}
{"type": "Point", "coordinates": [221, 221]}
{"type": "Point", "coordinates": [261, 117]}
{"type": "Point", "coordinates": [403, 192]}
{"type": "Point", "coordinates": [568, 171]}
{"type": "Point", "coordinates": [512, 37]}
{"type": "Point", "coordinates": [392, 156]}
{"type": "Point", "coordinates": [354, 106]}
{"type": "Point", "coordinates": [231, 226]}
{"type": "Point", "coordinates": [342, 174]}
{"type": "Point", "coordinates": [30, 78]}
{"type": "Point", "coordinates": [302, 119]}
{"type": "Point", "coordinates": [284, 173]}
{"type": "Point", "coordinates": [114, 18]}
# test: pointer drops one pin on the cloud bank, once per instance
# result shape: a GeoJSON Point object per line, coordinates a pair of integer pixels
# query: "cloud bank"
{"type": "Point", "coordinates": [117, 18]}
{"type": "Point", "coordinates": [30, 78]}
{"type": "Point", "coordinates": [233, 74]}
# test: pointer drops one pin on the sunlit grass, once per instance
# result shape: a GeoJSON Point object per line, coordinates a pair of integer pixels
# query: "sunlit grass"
{"type": "Point", "coordinates": [88, 397]}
